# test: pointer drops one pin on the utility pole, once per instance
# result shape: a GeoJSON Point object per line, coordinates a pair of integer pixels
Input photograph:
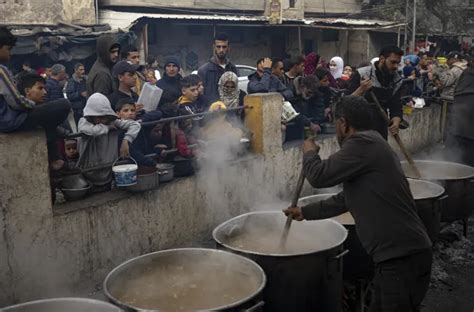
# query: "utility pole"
{"type": "Point", "coordinates": [410, 27]}
{"type": "Point", "coordinates": [413, 38]}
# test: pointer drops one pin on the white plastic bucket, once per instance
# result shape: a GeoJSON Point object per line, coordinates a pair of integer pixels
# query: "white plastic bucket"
{"type": "Point", "coordinates": [125, 175]}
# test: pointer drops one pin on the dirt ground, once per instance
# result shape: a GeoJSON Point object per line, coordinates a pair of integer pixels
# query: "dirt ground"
{"type": "Point", "coordinates": [452, 285]}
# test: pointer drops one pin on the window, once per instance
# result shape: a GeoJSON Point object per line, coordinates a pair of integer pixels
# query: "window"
{"type": "Point", "coordinates": [292, 4]}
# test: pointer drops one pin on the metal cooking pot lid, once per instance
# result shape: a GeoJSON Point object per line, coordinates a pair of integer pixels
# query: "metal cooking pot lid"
{"type": "Point", "coordinates": [425, 189]}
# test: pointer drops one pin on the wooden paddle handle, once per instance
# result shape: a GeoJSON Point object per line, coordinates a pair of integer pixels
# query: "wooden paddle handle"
{"type": "Point", "coordinates": [397, 138]}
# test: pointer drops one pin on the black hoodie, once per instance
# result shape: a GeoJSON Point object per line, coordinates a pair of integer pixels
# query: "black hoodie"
{"type": "Point", "coordinates": [100, 76]}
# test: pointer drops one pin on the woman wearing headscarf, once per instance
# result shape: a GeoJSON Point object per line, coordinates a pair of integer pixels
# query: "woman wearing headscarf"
{"type": "Point", "coordinates": [332, 81]}
{"type": "Point", "coordinates": [311, 63]}
{"type": "Point", "coordinates": [229, 91]}
{"type": "Point", "coordinates": [336, 65]}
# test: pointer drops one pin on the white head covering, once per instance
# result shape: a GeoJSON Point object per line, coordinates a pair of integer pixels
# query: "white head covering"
{"type": "Point", "coordinates": [229, 97]}
{"type": "Point", "coordinates": [98, 105]}
{"type": "Point", "coordinates": [337, 71]}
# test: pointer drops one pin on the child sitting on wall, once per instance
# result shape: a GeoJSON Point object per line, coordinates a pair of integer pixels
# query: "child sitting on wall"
{"type": "Point", "coordinates": [99, 147]}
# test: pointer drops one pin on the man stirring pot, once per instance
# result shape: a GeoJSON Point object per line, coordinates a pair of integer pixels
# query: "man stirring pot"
{"type": "Point", "coordinates": [378, 196]}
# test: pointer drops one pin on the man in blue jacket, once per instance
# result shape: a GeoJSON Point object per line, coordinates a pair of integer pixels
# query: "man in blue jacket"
{"type": "Point", "coordinates": [212, 71]}
{"type": "Point", "coordinates": [263, 81]}
{"type": "Point", "coordinates": [76, 91]}
{"type": "Point", "coordinates": [54, 84]}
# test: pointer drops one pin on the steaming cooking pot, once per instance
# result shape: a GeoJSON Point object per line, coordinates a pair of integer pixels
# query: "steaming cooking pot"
{"type": "Point", "coordinates": [305, 275]}
{"type": "Point", "coordinates": [190, 279]}
{"type": "Point", "coordinates": [429, 201]}
{"type": "Point", "coordinates": [458, 182]}
{"type": "Point", "coordinates": [63, 304]}
{"type": "Point", "coordinates": [357, 263]}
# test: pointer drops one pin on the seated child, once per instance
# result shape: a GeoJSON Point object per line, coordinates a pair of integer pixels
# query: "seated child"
{"type": "Point", "coordinates": [141, 146]}
{"type": "Point", "coordinates": [99, 145]}
{"type": "Point", "coordinates": [71, 154]}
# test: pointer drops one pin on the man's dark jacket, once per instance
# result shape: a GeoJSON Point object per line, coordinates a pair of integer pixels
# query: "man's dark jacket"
{"type": "Point", "coordinates": [210, 74]}
{"type": "Point", "coordinates": [268, 83]}
{"type": "Point", "coordinates": [100, 76]}
{"type": "Point", "coordinates": [74, 88]}
{"type": "Point", "coordinates": [171, 87]}
{"type": "Point", "coordinates": [462, 116]}
{"type": "Point", "coordinates": [376, 193]}
{"type": "Point", "coordinates": [54, 89]}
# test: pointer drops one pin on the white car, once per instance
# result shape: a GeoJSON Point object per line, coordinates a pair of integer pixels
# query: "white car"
{"type": "Point", "coordinates": [244, 72]}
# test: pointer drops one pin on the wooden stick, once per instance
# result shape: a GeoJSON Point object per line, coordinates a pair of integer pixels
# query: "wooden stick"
{"type": "Point", "coordinates": [444, 114]}
{"type": "Point", "coordinates": [294, 202]}
{"type": "Point", "coordinates": [397, 138]}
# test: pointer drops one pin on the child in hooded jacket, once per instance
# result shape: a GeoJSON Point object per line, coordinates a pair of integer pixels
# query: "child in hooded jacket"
{"type": "Point", "coordinates": [100, 146]}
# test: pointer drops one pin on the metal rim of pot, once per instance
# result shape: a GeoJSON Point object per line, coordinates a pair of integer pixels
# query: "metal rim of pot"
{"type": "Point", "coordinates": [469, 171]}
{"type": "Point", "coordinates": [222, 225]}
{"type": "Point", "coordinates": [235, 304]}
{"type": "Point", "coordinates": [64, 300]}
{"type": "Point", "coordinates": [438, 190]}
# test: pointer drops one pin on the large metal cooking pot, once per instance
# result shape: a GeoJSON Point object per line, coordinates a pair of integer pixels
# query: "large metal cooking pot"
{"type": "Point", "coordinates": [458, 182]}
{"type": "Point", "coordinates": [189, 279]}
{"type": "Point", "coordinates": [62, 305]}
{"type": "Point", "coordinates": [429, 202]}
{"type": "Point", "coordinates": [357, 263]}
{"type": "Point", "coordinates": [306, 275]}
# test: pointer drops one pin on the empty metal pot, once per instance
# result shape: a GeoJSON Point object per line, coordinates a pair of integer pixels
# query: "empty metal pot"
{"type": "Point", "coordinates": [189, 279]}
{"type": "Point", "coordinates": [458, 182]}
{"type": "Point", "coordinates": [306, 275]}
{"type": "Point", "coordinates": [165, 172]}
{"type": "Point", "coordinates": [63, 305]}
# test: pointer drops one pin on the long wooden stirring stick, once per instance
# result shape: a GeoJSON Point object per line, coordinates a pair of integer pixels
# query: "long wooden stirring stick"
{"type": "Point", "coordinates": [294, 202]}
{"type": "Point", "coordinates": [397, 138]}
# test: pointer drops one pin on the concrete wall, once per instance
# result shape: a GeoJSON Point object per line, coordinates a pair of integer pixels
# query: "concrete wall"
{"type": "Point", "coordinates": [309, 6]}
{"type": "Point", "coordinates": [47, 12]}
{"type": "Point", "coordinates": [65, 251]}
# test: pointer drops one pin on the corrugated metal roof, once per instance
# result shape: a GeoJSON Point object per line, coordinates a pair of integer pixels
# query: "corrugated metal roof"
{"type": "Point", "coordinates": [125, 20]}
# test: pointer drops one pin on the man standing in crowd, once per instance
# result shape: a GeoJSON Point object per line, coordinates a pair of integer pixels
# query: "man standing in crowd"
{"type": "Point", "coordinates": [263, 81]}
{"type": "Point", "coordinates": [212, 71]}
{"type": "Point", "coordinates": [450, 77]}
{"type": "Point", "coordinates": [132, 55]}
{"type": "Point", "coordinates": [76, 91]}
{"type": "Point", "coordinates": [100, 76]}
{"type": "Point", "coordinates": [378, 196]}
{"type": "Point", "coordinates": [171, 82]}
{"type": "Point", "coordinates": [54, 84]}
{"type": "Point", "coordinates": [278, 69]}
{"type": "Point", "coordinates": [13, 114]}
{"type": "Point", "coordinates": [295, 69]}
{"type": "Point", "coordinates": [125, 73]}
{"type": "Point", "coordinates": [383, 80]}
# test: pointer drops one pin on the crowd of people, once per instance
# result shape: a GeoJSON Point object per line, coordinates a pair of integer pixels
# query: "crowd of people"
{"type": "Point", "coordinates": [106, 99]}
